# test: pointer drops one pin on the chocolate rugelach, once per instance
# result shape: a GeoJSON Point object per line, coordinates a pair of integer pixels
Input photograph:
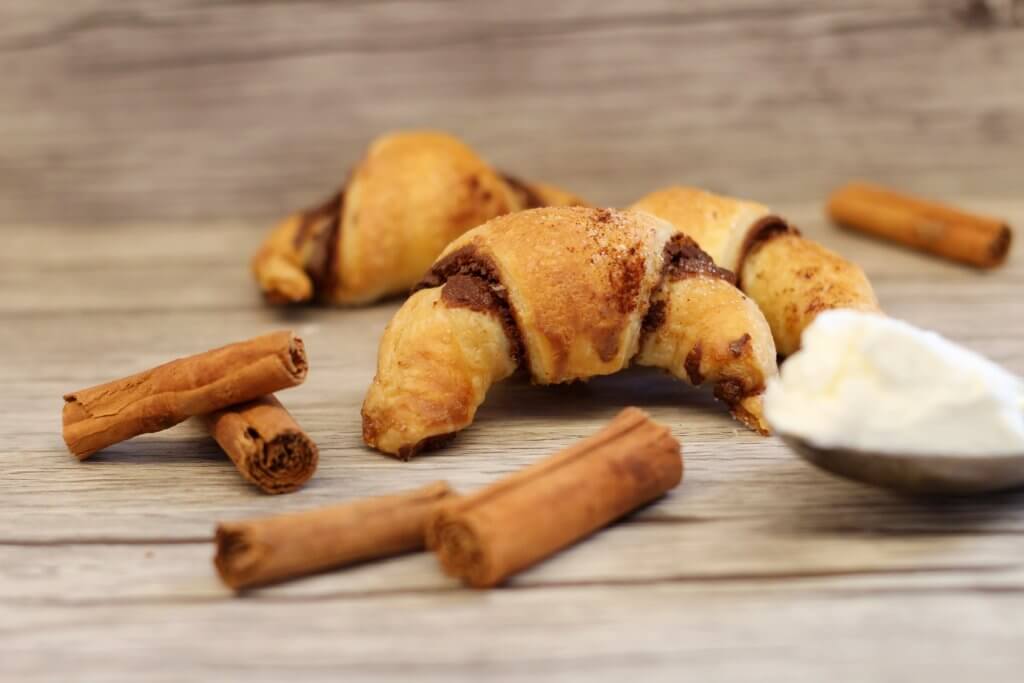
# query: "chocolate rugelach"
{"type": "Point", "coordinates": [411, 194]}
{"type": "Point", "coordinates": [791, 278]}
{"type": "Point", "coordinates": [563, 294]}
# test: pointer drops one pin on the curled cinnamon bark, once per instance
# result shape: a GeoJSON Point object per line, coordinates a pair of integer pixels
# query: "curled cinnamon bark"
{"type": "Point", "coordinates": [156, 399]}
{"type": "Point", "coordinates": [261, 551]}
{"type": "Point", "coordinates": [266, 444]}
{"type": "Point", "coordinates": [512, 524]}
{"type": "Point", "coordinates": [921, 224]}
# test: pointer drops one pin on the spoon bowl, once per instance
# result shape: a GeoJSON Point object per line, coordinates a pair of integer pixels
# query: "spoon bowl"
{"type": "Point", "coordinates": [914, 472]}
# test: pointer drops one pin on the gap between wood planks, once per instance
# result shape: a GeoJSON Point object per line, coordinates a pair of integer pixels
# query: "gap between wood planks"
{"type": "Point", "coordinates": [670, 520]}
{"type": "Point", "coordinates": [728, 578]}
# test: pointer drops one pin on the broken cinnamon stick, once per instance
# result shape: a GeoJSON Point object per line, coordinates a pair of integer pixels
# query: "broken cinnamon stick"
{"type": "Point", "coordinates": [922, 224]}
{"type": "Point", "coordinates": [510, 525]}
{"type": "Point", "coordinates": [156, 399]}
{"type": "Point", "coordinates": [266, 444]}
{"type": "Point", "coordinates": [263, 551]}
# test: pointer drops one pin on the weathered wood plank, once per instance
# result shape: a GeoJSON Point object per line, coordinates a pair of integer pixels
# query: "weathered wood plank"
{"type": "Point", "coordinates": [191, 267]}
{"type": "Point", "coordinates": [730, 473]}
{"type": "Point", "coordinates": [120, 112]}
{"type": "Point", "coordinates": [159, 140]}
{"type": "Point", "coordinates": [694, 551]}
{"type": "Point", "coordinates": [660, 632]}
{"type": "Point", "coordinates": [175, 484]}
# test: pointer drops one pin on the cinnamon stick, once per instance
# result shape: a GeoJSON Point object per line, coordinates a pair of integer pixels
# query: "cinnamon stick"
{"type": "Point", "coordinates": [266, 444]}
{"type": "Point", "coordinates": [922, 224]}
{"type": "Point", "coordinates": [262, 551]}
{"type": "Point", "coordinates": [156, 399]}
{"type": "Point", "coordinates": [508, 526]}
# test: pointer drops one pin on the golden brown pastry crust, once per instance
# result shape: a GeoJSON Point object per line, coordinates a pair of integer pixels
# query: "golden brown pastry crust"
{"type": "Point", "coordinates": [791, 278]}
{"type": "Point", "coordinates": [718, 224]}
{"type": "Point", "coordinates": [435, 364]}
{"type": "Point", "coordinates": [578, 281]}
{"type": "Point", "coordinates": [712, 333]}
{"type": "Point", "coordinates": [567, 294]}
{"type": "Point", "coordinates": [403, 202]}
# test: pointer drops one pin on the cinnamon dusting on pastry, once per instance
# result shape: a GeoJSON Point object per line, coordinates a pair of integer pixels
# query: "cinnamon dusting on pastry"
{"type": "Point", "coordinates": [626, 279]}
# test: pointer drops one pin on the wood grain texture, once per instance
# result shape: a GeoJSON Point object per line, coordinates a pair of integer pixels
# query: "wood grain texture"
{"type": "Point", "coordinates": [591, 633]}
{"type": "Point", "coordinates": [119, 112]}
{"type": "Point", "coordinates": [147, 146]}
{"type": "Point", "coordinates": [757, 567]}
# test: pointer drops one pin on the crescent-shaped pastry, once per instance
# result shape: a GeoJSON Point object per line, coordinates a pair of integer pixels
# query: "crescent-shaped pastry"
{"type": "Point", "coordinates": [566, 294]}
{"type": "Point", "coordinates": [791, 278]}
{"type": "Point", "coordinates": [411, 194]}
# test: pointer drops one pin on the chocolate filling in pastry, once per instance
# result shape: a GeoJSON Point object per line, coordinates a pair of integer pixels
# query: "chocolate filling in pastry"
{"type": "Point", "coordinates": [529, 198]}
{"type": "Point", "coordinates": [321, 229]}
{"type": "Point", "coordinates": [471, 281]}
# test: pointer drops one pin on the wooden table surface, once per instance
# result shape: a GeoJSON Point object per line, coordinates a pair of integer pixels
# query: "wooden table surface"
{"type": "Point", "coordinates": [757, 567]}
{"type": "Point", "coordinates": [132, 128]}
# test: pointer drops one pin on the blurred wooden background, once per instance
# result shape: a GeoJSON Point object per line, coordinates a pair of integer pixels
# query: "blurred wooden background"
{"type": "Point", "coordinates": [120, 111]}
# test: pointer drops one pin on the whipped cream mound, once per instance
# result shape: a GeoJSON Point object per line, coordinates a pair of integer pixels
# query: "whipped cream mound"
{"type": "Point", "coordinates": [867, 382]}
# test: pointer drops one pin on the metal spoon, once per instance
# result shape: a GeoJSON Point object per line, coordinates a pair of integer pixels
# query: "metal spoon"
{"type": "Point", "coordinates": [916, 473]}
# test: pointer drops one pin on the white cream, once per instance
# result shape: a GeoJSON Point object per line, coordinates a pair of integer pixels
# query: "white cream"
{"type": "Point", "coordinates": [868, 382]}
